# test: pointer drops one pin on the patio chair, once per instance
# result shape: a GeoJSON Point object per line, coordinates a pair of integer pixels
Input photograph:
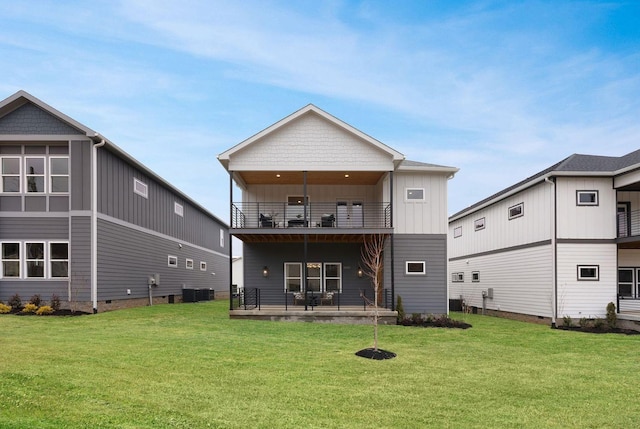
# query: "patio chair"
{"type": "Point", "coordinates": [328, 220]}
{"type": "Point", "coordinates": [266, 221]}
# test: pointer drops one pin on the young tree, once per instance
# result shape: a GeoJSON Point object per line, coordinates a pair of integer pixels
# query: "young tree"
{"type": "Point", "coordinates": [372, 254]}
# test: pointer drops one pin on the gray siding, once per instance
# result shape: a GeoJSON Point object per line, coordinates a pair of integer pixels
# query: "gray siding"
{"type": "Point", "coordinates": [426, 294]}
{"type": "Point", "coordinates": [127, 257]}
{"type": "Point", "coordinates": [30, 119]}
{"type": "Point", "coordinates": [117, 199]}
{"type": "Point", "coordinates": [80, 174]}
{"type": "Point", "coordinates": [80, 258]}
{"type": "Point", "coordinates": [274, 255]}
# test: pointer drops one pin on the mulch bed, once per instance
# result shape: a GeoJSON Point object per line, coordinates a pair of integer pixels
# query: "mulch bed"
{"type": "Point", "coordinates": [378, 354]}
{"type": "Point", "coordinates": [434, 322]}
{"type": "Point", "coordinates": [64, 312]}
{"type": "Point", "coordinates": [602, 330]}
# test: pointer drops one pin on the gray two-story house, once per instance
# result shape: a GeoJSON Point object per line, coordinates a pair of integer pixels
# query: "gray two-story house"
{"type": "Point", "coordinates": [82, 220]}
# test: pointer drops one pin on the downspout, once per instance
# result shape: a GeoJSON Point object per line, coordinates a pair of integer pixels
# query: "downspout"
{"type": "Point", "coordinates": [94, 222]}
{"type": "Point", "coordinates": [393, 262]}
{"type": "Point", "coordinates": [554, 252]}
{"type": "Point", "coordinates": [305, 245]}
{"type": "Point", "coordinates": [230, 242]}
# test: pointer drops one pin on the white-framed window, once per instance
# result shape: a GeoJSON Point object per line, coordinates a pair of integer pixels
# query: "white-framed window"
{"type": "Point", "coordinates": [516, 211]}
{"type": "Point", "coordinates": [587, 198]}
{"type": "Point", "coordinates": [588, 272]}
{"type": "Point", "coordinates": [478, 224]}
{"type": "Point", "coordinates": [457, 232]}
{"type": "Point", "coordinates": [58, 259]}
{"type": "Point", "coordinates": [314, 276]}
{"type": "Point", "coordinates": [34, 259]}
{"type": "Point", "coordinates": [414, 194]}
{"type": "Point", "coordinates": [10, 259]}
{"type": "Point", "coordinates": [140, 188]}
{"type": "Point", "coordinates": [59, 174]}
{"type": "Point", "coordinates": [178, 209]}
{"type": "Point", "coordinates": [626, 282]}
{"type": "Point", "coordinates": [34, 173]}
{"type": "Point", "coordinates": [333, 277]}
{"type": "Point", "coordinates": [292, 277]}
{"type": "Point", "coordinates": [221, 238]}
{"type": "Point", "coordinates": [475, 276]}
{"type": "Point", "coordinates": [172, 261]}
{"type": "Point", "coordinates": [11, 174]}
{"type": "Point", "coordinates": [203, 266]}
{"type": "Point", "coordinates": [188, 264]}
{"type": "Point", "coordinates": [457, 277]}
{"type": "Point", "coordinates": [415, 267]}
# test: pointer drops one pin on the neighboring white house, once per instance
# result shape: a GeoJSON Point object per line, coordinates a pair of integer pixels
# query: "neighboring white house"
{"type": "Point", "coordinates": [237, 274]}
{"type": "Point", "coordinates": [564, 242]}
{"type": "Point", "coordinates": [313, 189]}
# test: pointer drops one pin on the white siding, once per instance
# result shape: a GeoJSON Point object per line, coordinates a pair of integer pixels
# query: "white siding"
{"type": "Point", "coordinates": [586, 221]}
{"type": "Point", "coordinates": [630, 197]}
{"type": "Point", "coordinates": [314, 144]}
{"type": "Point", "coordinates": [420, 217]}
{"type": "Point", "coordinates": [627, 179]}
{"type": "Point", "coordinates": [586, 298]}
{"type": "Point", "coordinates": [522, 280]}
{"type": "Point", "coordinates": [500, 232]}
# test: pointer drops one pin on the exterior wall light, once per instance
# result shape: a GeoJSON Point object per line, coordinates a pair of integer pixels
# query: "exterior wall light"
{"type": "Point", "coordinates": [265, 271]}
{"type": "Point", "coordinates": [360, 273]}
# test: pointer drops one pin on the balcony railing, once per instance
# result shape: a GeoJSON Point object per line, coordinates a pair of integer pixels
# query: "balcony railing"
{"type": "Point", "coordinates": [318, 215]}
{"type": "Point", "coordinates": [629, 224]}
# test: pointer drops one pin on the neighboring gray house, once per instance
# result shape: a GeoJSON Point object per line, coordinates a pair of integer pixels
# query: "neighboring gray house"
{"type": "Point", "coordinates": [313, 189]}
{"type": "Point", "coordinates": [82, 219]}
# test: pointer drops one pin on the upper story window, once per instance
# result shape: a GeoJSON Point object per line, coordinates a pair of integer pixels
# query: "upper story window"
{"type": "Point", "coordinates": [587, 198]}
{"type": "Point", "coordinates": [414, 194]}
{"type": "Point", "coordinates": [478, 224]}
{"type": "Point", "coordinates": [457, 232]}
{"type": "Point", "coordinates": [59, 173]}
{"type": "Point", "coordinates": [516, 211]}
{"type": "Point", "coordinates": [415, 267]}
{"type": "Point", "coordinates": [140, 188]}
{"type": "Point", "coordinates": [11, 174]}
{"type": "Point", "coordinates": [221, 238]}
{"type": "Point", "coordinates": [589, 272]}
{"type": "Point", "coordinates": [34, 174]}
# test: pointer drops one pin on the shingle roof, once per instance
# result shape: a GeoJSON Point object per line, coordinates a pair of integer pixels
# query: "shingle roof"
{"type": "Point", "coordinates": [574, 163]}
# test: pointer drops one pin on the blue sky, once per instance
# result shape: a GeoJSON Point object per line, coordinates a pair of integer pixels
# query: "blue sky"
{"type": "Point", "coordinates": [499, 89]}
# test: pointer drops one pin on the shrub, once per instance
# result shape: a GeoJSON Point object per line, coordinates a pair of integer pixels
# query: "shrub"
{"type": "Point", "coordinates": [4, 308]}
{"type": "Point", "coordinates": [30, 308]}
{"type": "Point", "coordinates": [55, 302]}
{"type": "Point", "coordinates": [567, 321]}
{"type": "Point", "coordinates": [45, 309]}
{"type": "Point", "coordinates": [15, 302]}
{"type": "Point", "coordinates": [35, 300]}
{"type": "Point", "coordinates": [584, 322]}
{"type": "Point", "coordinates": [400, 309]}
{"type": "Point", "coordinates": [612, 317]}
{"type": "Point", "coordinates": [598, 323]}
{"type": "Point", "coordinates": [416, 318]}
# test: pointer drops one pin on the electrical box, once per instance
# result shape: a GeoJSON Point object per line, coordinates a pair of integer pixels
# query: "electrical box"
{"type": "Point", "coordinates": [490, 293]}
{"type": "Point", "coordinates": [156, 278]}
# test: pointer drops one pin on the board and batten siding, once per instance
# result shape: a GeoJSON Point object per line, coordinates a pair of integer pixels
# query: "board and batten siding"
{"type": "Point", "coordinates": [424, 294]}
{"type": "Point", "coordinates": [499, 232]}
{"type": "Point", "coordinates": [127, 257]}
{"type": "Point", "coordinates": [420, 217]}
{"type": "Point", "coordinates": [311, 143]}
{"type": "Point", "coordinates": [578, 222]}
{"type": "Point", "coordinates": [589, 299]}
{"type": "Point", "coordinates": [80, 174]}
{"type": "Point", "coordinates": [156, 212]}
{"type": "Point", "coordinates": [522, 280]}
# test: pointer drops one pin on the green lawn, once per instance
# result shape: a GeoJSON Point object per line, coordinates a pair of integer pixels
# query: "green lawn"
{"type": "Point", "coordinates": [189, 366]}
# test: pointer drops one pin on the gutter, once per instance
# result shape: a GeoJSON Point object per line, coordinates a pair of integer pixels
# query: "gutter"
{"type": "Point", "coordinates": [99, 141]}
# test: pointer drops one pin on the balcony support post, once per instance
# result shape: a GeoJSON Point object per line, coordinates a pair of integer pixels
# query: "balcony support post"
{"type": "Point", "coordinates": [391, 243]}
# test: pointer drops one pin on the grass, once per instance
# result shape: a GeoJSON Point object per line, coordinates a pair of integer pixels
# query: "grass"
{"type": "Point", "coordinates": [189, 366]}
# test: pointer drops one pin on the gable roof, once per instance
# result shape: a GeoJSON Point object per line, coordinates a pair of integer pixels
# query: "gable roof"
{"type": "Point", "coordinates": [573, 165]}
{"type": "Point", "coordinates": [310, 108]}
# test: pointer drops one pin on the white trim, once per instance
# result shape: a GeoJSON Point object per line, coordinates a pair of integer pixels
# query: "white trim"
{"type": "Point", "coordinates": [19, 260]}
{"type": "Point", "coordinates": [188, 263]}
{"type": "Point", "coordinates": [594, 278]}
{"type": "Point", "coordinates": [178, 209]}
{"type": "Point", "coordinates": [51, 175]}
{"type": "Point", "coordinates": [457, 231]}
{"type": "Point", "coordinates": [172, 261]}
{"type": "Point", "coordinates": [50, 259]}
{"type": "Point", "coordinates": [518, 214]}
{"type": "Point", "coordinates": [479, 224]}
{"type": "Point", "coordinates": [590, 203]}
{"type": "Point", "coordinates": [140, 188]}
{"type": "Point", "coordinates": [415, 273]}
{"type": "Point", "coordinates": [3, 175]}
{"type": "Point", "coordinates": [203, 266]}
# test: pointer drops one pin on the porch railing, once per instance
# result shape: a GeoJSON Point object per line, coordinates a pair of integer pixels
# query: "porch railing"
{"type": "Point", "coordinates": [255, 298]}
{"type": "Point", "coordinates": [629, 224]}
{"type": "Point", "coordinates": [318, 215]}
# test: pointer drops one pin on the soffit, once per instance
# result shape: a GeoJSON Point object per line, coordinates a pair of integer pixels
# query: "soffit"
{"type": "Point", "coordinates": [313, 177]}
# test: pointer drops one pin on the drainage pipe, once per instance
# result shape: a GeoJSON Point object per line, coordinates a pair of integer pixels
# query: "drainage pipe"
{"type": "Point", "coordinates": [94, 220]}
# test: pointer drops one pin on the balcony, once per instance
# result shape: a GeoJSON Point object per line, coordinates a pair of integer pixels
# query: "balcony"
{"type": "Point", "coordinates": [322, 221]}
{"type": "Point", "coordinates": [628, 229]}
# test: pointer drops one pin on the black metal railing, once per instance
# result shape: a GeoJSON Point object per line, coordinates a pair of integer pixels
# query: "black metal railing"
{"type": "Point", "coordinates": [313, 215]}
{"type": "Point", "coordinates": [255, 298]}
{"type": "Point", "coordinates": [627, 302]}
{"type": "Point", "coordinates": [628, 224]}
